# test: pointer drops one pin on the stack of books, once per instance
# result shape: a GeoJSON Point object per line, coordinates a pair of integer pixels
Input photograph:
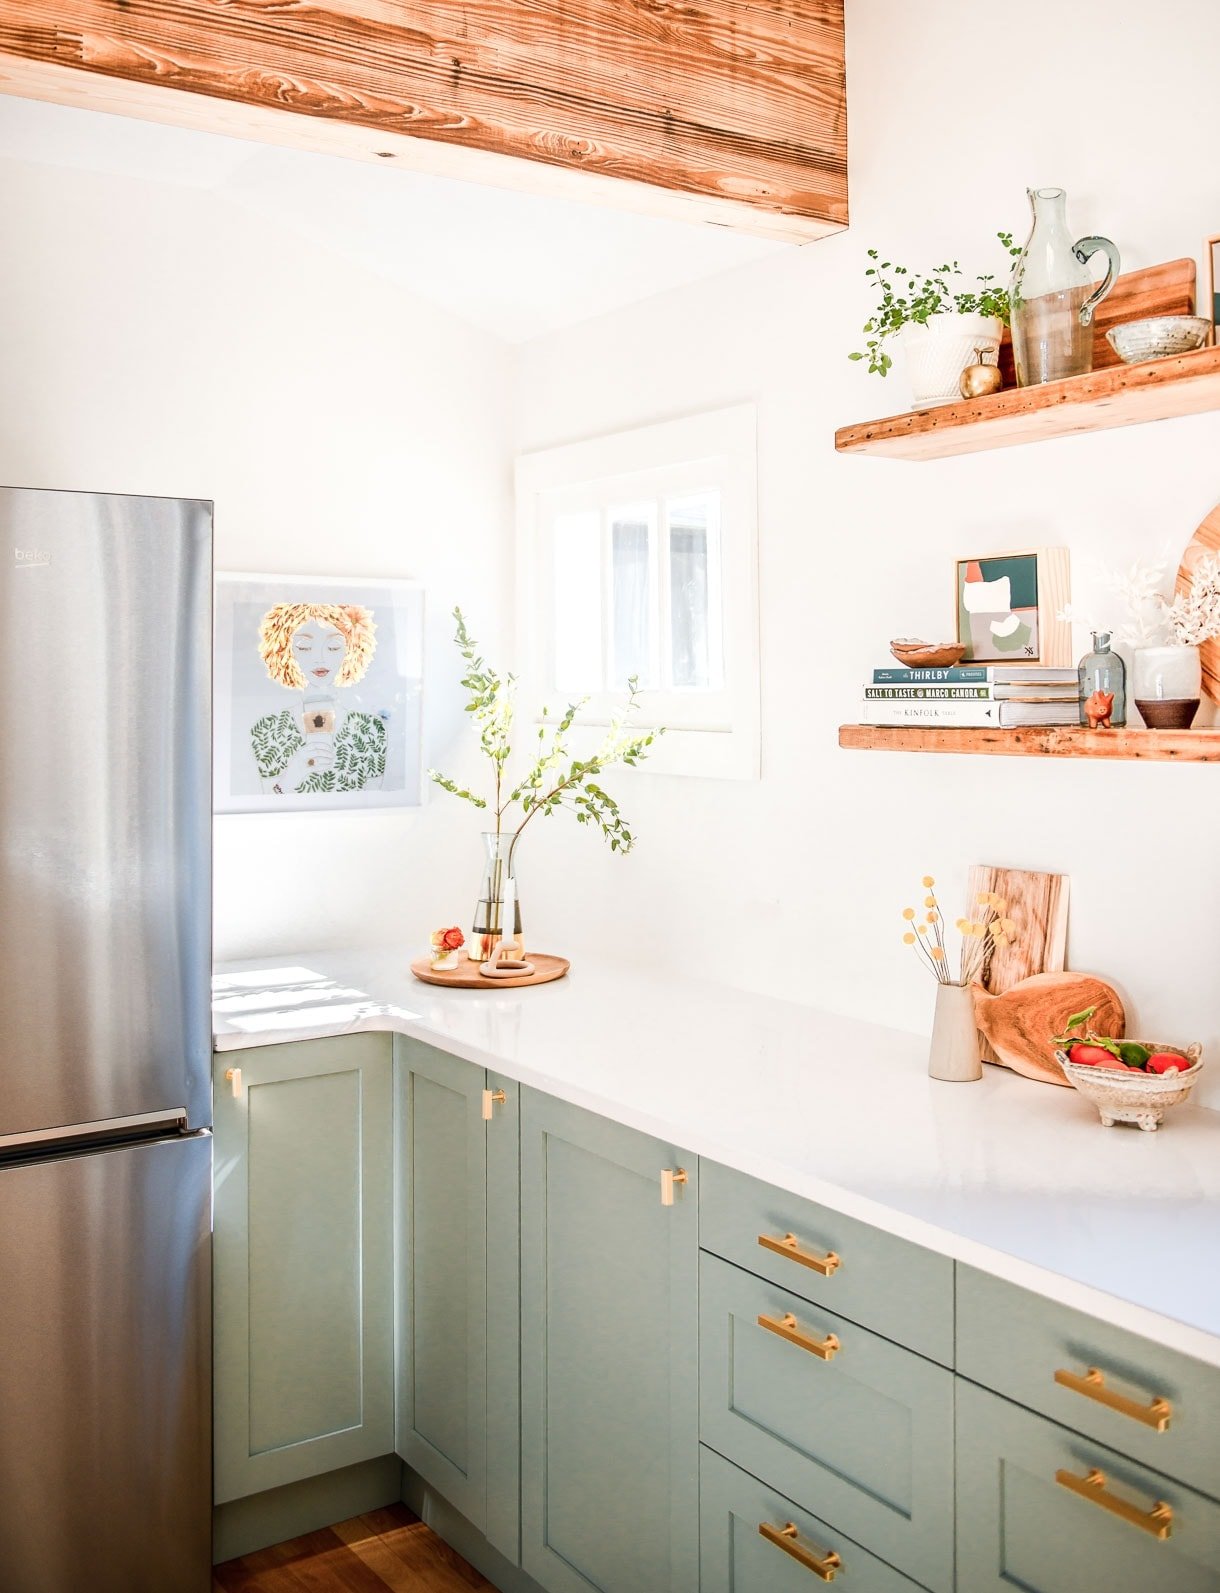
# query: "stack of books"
{"type": "Point", "coordinates": [969, 696]}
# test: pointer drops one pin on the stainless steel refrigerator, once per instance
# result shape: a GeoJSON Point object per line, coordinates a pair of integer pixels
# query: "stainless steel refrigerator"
{"type": "Point", "coordinates": [105, 1042]}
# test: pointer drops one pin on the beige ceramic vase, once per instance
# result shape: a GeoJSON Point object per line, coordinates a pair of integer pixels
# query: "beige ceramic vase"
{"type": "Point", "coordinates": [954, 1054]}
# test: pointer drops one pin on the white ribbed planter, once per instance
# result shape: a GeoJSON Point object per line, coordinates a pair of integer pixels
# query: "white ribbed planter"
{"type": "Point", "coordinates": [938, 351]}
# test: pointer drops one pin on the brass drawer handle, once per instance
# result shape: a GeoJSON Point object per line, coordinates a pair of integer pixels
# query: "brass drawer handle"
{"type": "Point", "coordinates": [785, 1538]}
{"type": "Point", "coordinates": [492, 1099]}
{"type": "Point", "coordinates": [1092, 1486]}
{"type": "Point", "coordinates": [1157, 1413]}
{"type": "Point", "coordinates": [786, 1328]}
{"type": "Point", "coordinates": [789, 1246]}
{"type": "Point", "coordinates": [669, 1178]}
{"type": "Point", "coordinates": [233, 1080]}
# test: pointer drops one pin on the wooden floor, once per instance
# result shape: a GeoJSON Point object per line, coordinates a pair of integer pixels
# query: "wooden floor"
{"type": "Point", "coordinates": [389, 1548]}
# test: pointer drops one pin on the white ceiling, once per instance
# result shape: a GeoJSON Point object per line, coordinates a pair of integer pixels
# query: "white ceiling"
{"type": "Point", "coordinates": [517, 265]}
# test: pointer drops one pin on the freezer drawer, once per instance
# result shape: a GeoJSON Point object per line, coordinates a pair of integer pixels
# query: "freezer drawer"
{"type": "Point", "coordinates": [105, 1350]}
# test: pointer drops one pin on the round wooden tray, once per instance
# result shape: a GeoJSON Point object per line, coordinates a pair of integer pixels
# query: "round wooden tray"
{"type": "Point", "coordinates": [466, 975]}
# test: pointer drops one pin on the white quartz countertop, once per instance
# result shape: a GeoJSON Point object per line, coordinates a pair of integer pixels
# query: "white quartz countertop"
{"type": "Point", "coordinates": [1019, 1179]}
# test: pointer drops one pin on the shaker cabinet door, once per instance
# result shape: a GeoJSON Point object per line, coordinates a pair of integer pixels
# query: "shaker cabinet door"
{"type": "Point", "coordinates": [302, 1260]}
{"type": "Point", "coordinates": [457, 1209]}
{"type": "Point", "coordinates": [609, 1355]}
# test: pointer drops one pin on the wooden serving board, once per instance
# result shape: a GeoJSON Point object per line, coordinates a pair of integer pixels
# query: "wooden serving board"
{"type": "Point", "coordinates": [1167, 289]}
{"type": "Point", "coordinates": [1205, 540]}
{"type": "Point", "coordinates": [466, 975]}
{"type": "Point", "coordinates": [1038, 906]}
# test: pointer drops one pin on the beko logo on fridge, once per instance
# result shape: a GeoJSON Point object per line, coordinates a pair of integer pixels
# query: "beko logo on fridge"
{"type": "Point", "coordinates": [30, 558]}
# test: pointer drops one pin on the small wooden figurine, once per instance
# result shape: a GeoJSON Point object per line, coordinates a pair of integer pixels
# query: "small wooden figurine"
{"type": "Point", "coordinates": [1097, 709]}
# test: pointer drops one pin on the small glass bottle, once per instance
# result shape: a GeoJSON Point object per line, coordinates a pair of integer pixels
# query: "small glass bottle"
{"type": "Point", "coordinates": [1104, 671]}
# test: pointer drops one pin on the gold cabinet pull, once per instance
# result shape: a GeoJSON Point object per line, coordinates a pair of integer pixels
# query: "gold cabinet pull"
{"type": "Point", "coordinates": [786, 1538]}
{"type": "Point", "coordinates": [233, 1080]}
{"type": "Point", "coordinates": [789, 1246]}
{"type": "Point", "coordinates": [1092, 1486]}
{"type": "Point", "coordinates": [1157, 1413]}
{"type": "Point", "coordinates": [670, 1177]}
{"type": "Point", "coordinates": [786, 1328]}
{"type": "Point", "coordinates": [492, 1099]}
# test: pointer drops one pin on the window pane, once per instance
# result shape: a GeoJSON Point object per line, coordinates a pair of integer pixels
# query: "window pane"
{"type": "Point", "coordinates": [631, 532]}
{"type": "Point", "coordinates": [578, 602]}
{"type": "Point", "coordinates": [696, 648]}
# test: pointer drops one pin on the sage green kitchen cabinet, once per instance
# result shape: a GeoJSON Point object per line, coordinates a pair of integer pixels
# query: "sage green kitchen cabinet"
{"type": "Point", "coordinates": [609, 1356]}
{"type": "Point", "coordinates": [458, 1410]}
{"type": "Point", "coordinates": [1048, 1510]}
{"type": "Point", "coordinates": [302, 1259]}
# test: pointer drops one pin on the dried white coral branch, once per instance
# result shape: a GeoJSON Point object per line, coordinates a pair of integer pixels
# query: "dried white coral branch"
{"type": "Point", "coordinates": [1147, 617]}
{"type": "Point", "coordinates": [1194, 615]}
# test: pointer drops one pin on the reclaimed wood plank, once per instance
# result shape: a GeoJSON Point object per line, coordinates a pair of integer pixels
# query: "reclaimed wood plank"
{"type": "Point", "coordinates": [1166, 746]}
{"type": "Point", "coordinates": [1123, 395]}
{"type": "Point", "coordinates": [736, 104]}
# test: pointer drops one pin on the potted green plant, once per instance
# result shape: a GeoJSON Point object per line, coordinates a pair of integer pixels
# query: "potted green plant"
{"type": "Point", "coordinates": [943, 323]}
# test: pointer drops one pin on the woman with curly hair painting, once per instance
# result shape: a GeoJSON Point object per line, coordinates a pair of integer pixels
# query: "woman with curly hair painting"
{"type": "Point", "coordinates": [314, 649]}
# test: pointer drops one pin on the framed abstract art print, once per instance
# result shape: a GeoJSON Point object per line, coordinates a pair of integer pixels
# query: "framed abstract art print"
{"type": "Point", "coordinates": [1008, 607]}
{"type": "Point", "coordinates": [318, 695]}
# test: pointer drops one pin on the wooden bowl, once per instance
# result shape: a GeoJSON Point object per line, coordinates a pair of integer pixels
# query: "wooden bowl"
{"type": "Point", "coordinates": [927, 655]}
{"type": "Point", "coordinates": [1125, 1095]}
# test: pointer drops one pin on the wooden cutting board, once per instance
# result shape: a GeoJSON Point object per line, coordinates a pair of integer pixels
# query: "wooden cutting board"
{"type": "Point", "coordinates": [1038, 906]}
{"type": "Point", "coordinates": [1166, 289]}
{"type": "Point", "coordinates": [1205, 540]}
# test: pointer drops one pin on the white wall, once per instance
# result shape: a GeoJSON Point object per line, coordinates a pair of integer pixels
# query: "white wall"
{"type": "Point", "coordinates": [155, 339]}
{"type": "Point", "coordinates": [794, 885]}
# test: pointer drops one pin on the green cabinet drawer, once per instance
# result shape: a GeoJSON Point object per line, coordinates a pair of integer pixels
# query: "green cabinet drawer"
{"type": "Point", "coordinates": [1021, 1524]}
{"type": "Point", "coordinates": [1016, 1342]}
{"type": "Point", "coordinates": [886, 1283]}
{"type": "Point", "coordinates": [736, 1555]}
{"type": "Point", "coordinates": [863, 1440]}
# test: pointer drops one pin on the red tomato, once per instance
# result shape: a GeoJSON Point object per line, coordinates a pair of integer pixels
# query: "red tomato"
{"type": "Point", "coordinates": [1094, 1056]}
{"type": "Point", "coordinates": [1167, 1062]}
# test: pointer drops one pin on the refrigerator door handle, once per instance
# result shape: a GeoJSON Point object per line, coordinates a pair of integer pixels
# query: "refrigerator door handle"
{"type": "Point", "coordinates": [73, 1136]}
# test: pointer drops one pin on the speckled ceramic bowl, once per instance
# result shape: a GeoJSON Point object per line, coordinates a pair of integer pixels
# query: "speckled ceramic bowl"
{"type": "Point", "coordinates": [1158, 337]}
{"type": "Point", "coordinates": [1123, 1095]}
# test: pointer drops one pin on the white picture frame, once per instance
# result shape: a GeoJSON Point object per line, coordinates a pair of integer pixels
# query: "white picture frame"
{"type": "Point", "coordinates": [318, 693]}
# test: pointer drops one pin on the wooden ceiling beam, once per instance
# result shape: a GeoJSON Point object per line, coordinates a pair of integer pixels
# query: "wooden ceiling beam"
{"type": "Point", "coordinates": [726, 111]}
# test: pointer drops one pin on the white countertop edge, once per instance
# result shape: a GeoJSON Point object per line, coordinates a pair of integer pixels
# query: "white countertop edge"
{"type": "Point", "coordinates": [1167, 1331]}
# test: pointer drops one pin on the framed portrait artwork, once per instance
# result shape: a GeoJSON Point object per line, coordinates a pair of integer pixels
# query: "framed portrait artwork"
{"type": "Point", "coordinates": [1210, 306]}
{"type": "Point", "coordinates": [1008, 607]}
{"type": "Point", "coordinates": [318, 695]}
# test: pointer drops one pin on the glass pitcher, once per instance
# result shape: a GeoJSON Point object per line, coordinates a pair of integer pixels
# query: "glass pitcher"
{"type": "Point", "coordinates": [1053, 294]}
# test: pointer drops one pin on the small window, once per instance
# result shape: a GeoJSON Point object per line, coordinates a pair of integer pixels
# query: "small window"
{"type": "Point", "coordinates": [637, 557]}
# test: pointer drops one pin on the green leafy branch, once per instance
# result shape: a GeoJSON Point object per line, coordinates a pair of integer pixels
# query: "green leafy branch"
{"type": "Point", "coordinates": [556, 779]}
{"type": "Point", "coordinates": [907, 297]}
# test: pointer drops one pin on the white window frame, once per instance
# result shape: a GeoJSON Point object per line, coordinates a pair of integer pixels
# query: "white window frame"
{"type": "Point", "coordinates": [709, 733]}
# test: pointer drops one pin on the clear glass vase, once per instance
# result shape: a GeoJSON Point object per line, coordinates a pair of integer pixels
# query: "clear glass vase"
{"type": "Point", "coordinates": [1167, 685]}
{"type": "Point", "coordinates": [1053, 295]}
{"type": "Point", "coordinates": [1103, 671]}
{"type": "Point", "coordinates": [489, 912]}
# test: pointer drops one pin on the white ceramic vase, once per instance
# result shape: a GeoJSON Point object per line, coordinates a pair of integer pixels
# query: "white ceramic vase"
{"type": "Point", "coordinates": [1166, 686]}
{"type": "Point", "coordinates": [954, 1053]}
{"type": "Point", "coordinates": [938, 351]}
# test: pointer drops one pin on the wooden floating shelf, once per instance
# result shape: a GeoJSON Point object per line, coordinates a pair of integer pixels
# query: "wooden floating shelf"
{"type": "Point", "coordinates": [1121, 395]}
{"type": "Point", "coordinates": [1164, 746]}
